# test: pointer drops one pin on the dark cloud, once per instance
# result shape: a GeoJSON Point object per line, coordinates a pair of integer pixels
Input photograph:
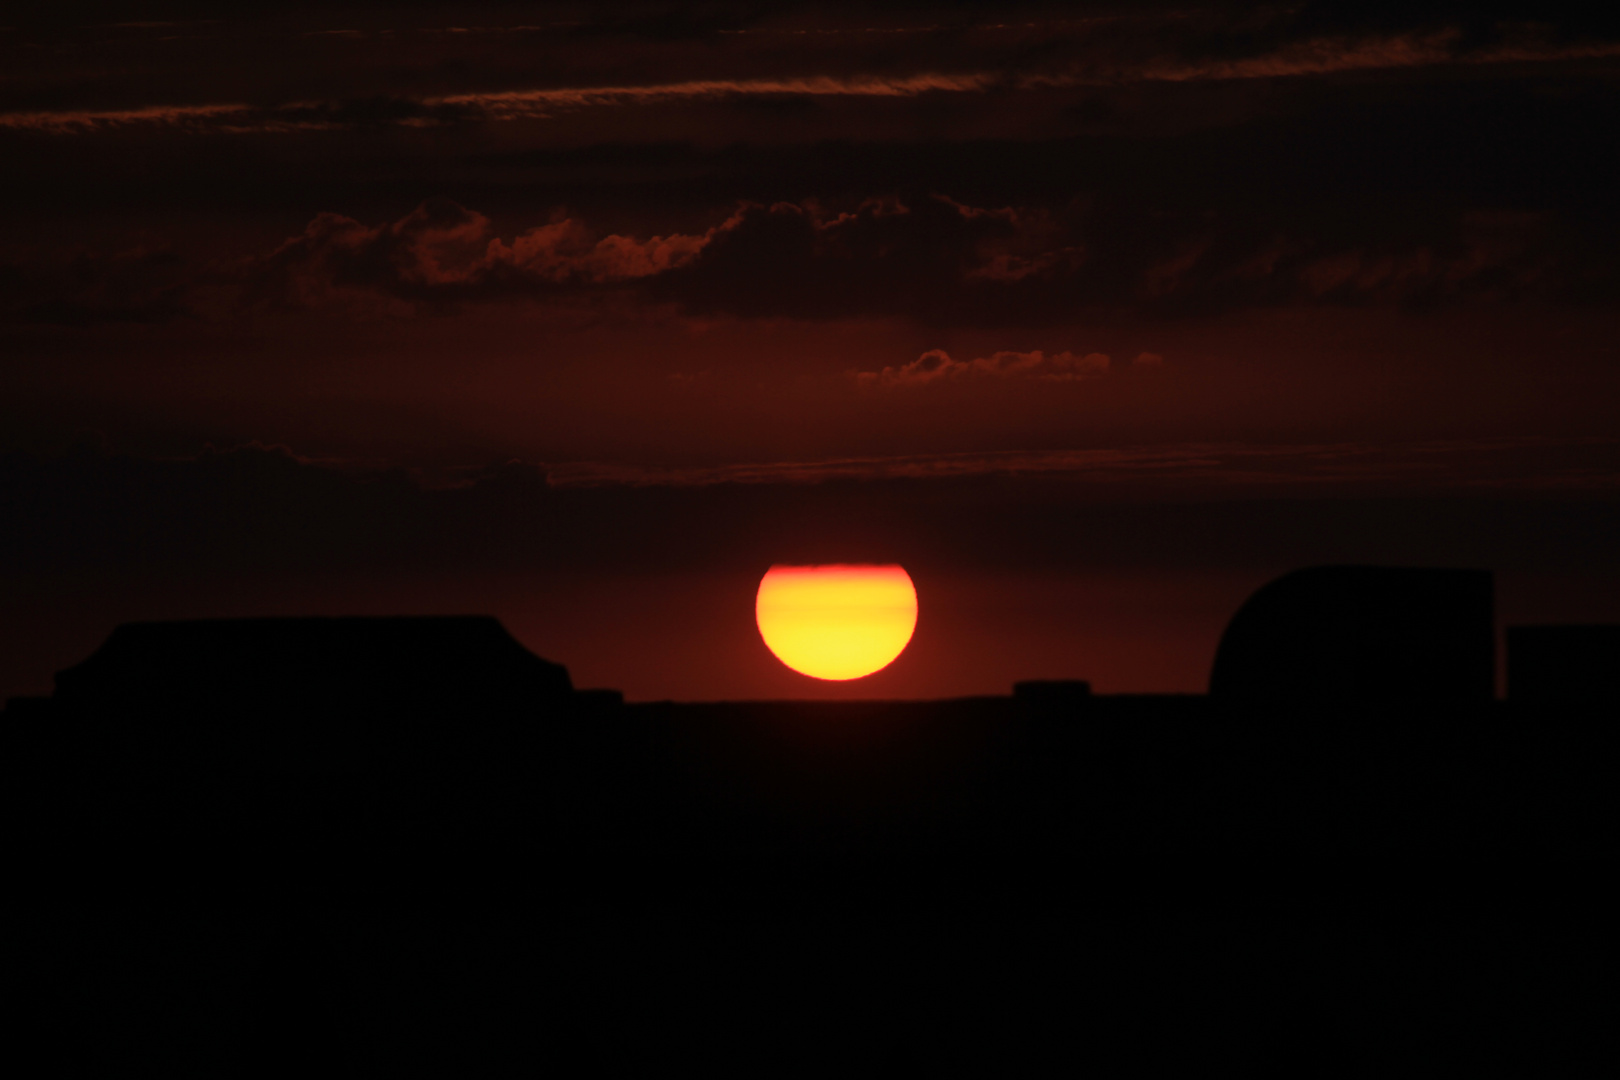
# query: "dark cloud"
{"type": "Point", "coordinates": [481, 106]}
{"type": "Point", "coordinates": [936, 365]}
{"type": "Point", "coordinates": [881, 257]}
{"type": "Point", "coordinates": [1171, 471]}
{"type": "Point", "coordinates": [442, 252]}
{"type": "Point", "coordinates": [371, 70]}
{"type": "Point", "coordinates": [931, 259]}
{"type": "Point", "coordinates": [943, 263]}
{"type": "Point", "coordinates": [253, 510]}
{"type": "Point", "coordinates": [1112, 254]}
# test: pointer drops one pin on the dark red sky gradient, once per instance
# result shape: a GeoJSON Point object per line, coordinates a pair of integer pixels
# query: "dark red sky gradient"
{"type": "Point", "coordinates": [1095, 316]}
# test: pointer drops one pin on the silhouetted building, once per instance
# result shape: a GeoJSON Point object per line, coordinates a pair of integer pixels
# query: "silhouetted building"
{"type": "Point", "coordinates": [310, 692]}
{"type": "Point", "coordinates": [1564, 666]}
{"type": "Point", "coordinates": [1052, 692]}
{"type": "Point", "coordinates": [1352, 635]}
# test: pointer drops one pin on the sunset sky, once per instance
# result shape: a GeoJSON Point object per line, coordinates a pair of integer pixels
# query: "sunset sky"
{"type": "Point", "coordinates": [1093, 316]}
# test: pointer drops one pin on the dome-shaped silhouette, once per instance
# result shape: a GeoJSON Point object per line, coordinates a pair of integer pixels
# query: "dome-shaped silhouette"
{"type": "Point", "coordinates": [1357, 634]}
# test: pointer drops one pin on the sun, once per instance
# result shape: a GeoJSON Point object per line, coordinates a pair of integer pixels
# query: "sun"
{"type": "Point", "coordinates": [836, 622]}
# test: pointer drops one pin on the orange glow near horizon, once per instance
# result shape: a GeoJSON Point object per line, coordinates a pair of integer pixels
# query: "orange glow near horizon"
{"type": "Point", "coordinates": [836, 622]}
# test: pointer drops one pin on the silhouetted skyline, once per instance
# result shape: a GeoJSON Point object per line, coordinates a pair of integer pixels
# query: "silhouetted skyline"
{"type": "Point", "coordinates": [383, 844]}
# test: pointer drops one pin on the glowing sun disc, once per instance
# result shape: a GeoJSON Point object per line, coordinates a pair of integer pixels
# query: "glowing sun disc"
{"type": "Point", "coordinates": [836, 622]}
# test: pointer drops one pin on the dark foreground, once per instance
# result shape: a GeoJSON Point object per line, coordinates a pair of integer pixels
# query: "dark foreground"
{"type": "Point", "coordinates": [1117, 881]}
{"type": "Point", "coordinates": [377, 847]}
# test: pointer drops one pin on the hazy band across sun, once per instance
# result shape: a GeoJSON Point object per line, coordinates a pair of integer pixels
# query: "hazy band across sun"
{"type": "Point", "coordinates": [836, 622]}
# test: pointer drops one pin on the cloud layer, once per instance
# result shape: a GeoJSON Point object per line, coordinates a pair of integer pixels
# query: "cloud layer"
{"type": "Point", "coordinates": [442, 252]}
{"type": "Point", "coordinates": [1052, 50]}
{"type": "Point", "coordinates": [936, 365]}
{"type": "Point", "coordinates": [931, 259]}
{"type": "Point", "coordinates": [828, 161]}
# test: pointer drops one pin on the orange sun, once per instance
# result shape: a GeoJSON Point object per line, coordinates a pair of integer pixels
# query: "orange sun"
{"type": "Point", "coordinates": [836, 622]}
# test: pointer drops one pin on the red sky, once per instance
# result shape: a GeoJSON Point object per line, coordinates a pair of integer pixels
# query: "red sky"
{"type": "Point", "coordinates": [1095, 316]}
